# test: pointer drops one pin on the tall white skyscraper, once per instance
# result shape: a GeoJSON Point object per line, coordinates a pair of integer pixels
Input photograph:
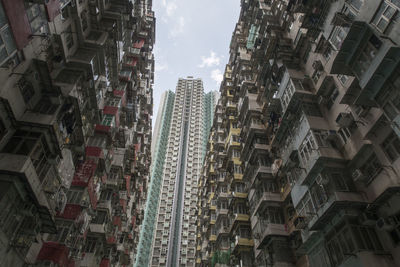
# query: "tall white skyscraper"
{"type": "Point", "coordinates": [174, 234]}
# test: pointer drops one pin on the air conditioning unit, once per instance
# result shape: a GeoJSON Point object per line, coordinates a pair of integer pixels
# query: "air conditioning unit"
{"type": "Point", "coordinates": [368, 219]}
{"type": "Point", "coordinates": [344, 119]}
{"type": "Point", "coordinates": [357, 175]}
{"type": "Point", "coordinates": [385, 224]}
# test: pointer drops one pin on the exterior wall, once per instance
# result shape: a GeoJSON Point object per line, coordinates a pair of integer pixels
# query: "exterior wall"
{"type": "Point", "coordinates": [75, 130]}
{"type": "Point", "coordinates": [175, 229]}
{"type": "Point", "coordinates": [163, 123]}
{"type": "Point", "coordinates": [314, 140]}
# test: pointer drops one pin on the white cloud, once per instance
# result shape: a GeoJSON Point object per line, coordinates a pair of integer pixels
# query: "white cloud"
{"type": "Point", "coordinates": [161, 66]}
{"type": "Point", "coordinates": [217, 76]}
{"type": "Point", "coordinates": [170, 8]}
{"type": "Point", "coordinates": [178, 27]}
{"type": "Point", "coordinates": [212, 60]}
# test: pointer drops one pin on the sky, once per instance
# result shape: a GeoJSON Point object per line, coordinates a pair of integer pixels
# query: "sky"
{"type": "Point", "coordinates": [192, 39]}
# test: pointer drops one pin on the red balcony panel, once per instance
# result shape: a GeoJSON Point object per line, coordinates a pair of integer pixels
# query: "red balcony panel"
{"type": "Point", "coordinates": [19, 23]}
{"type": "Point", "coordinates": [102, 128]}
{"type": "Point", "coordinates": [52, 9]}
{"type": "Point", "coordinates": [139, 44]}
{"type": "Point", "coordinates": [137, 147]}
{"type": "Point", "coordinates": [84, 172]}
{"type": "Point", "coordinates": [92, 151]}
{"type": "Point", "coordinates": [122, 95]}
{"type": "Point", "coordinates": [55, 252]}
{"type": "Point", "coordinates": [117, 222]}
{"type": "Point", "coordinates": [71, 212]}
{"type": "Point", "coordinates": [111, 240]}
{"type": "Point", "coordinates": [133, 221]}
{"type": "Point", "coordinates": [105, 263]}
{"type": "Point", "coordinates": [110, 110]}
{"type": "Point", "coordinates": [128, 184]}
{"type": "Point", "coordinates": [122, 202]}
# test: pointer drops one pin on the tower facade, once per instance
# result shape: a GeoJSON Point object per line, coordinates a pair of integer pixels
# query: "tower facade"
{"type": "Point", "coordinates": [303, 161]}
{"type": "Point", "coordinates": [160, 139]}
{"type": "Point", "coordinates": [75, 130]}
{"type": "Point", "coordinates": [174, 234]}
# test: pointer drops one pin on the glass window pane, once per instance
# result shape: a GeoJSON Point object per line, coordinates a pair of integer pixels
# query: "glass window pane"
{"type": "Point", "coordinates": [3, 54]}
{"type": "Point", "coordinates": [8, 40]}
{"type": "Point", "coordinates": [382, 24]}
{"type": "Point", "coordinates": [3, 18]}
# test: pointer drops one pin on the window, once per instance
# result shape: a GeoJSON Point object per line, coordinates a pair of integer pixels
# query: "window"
{"type": "Point", "coordinates": [368, 54]}
{"type": "Point", "coordinates": [318, 193]}
{"type": "Point", "coordinates": [311, 109]}
{"type": "Point", "coordinates": [27, 90]}
{"type": "Point", "coordinates": [391, 146]}
{"type": "Point", "coordinates": [30, 144]}
{"type": "Point", "coordinates": [37, 18]}
{"type": "Point", "coordinates": [345, 134]}
{"type": "Point", "coordinates": [90, 245]}
{"type": "Point", "coordinates": [3, 129]}
{"type": "Point", "coordinates": [327, 52]}
{"type": "Point", "coordinates": [371, 168]}
{"type": "Point", "coordinates": [389, 100]}
{"type": "Point", "coordinates": [347, 238]}
{"type": "Point", "coordinates": [69, 38]}
{"type": "Point", "coordinates": [320, 137]}
{"type": "Point", "coordinates": [7, 44]}
{"type": "Point", "coordinates": [332, 97]}
{"type": "Point", "coordinates": [316, 75]}
{"type": "Point", "coordinates": [74, 197]}
{"type": "Point", "coordinates": [63, 230]}
{"type": "Point", "coordinates": [337, 37]}
{"type": "Point", "coordinates": [356, 4]}
{"type": "Point", "coordinates": [307, 147]}
{"type": "Point", "coordinates": [342, 78]}
{"type": "Point", "coordinates": [385, 14]}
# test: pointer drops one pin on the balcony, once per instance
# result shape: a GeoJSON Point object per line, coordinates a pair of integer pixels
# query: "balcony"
{"type": "Point", "coordinates": [99, 228]}
{"type": "Point", "coordinates": [263, 231]}
{"type": "Point", "coordinates": [318, 158]}
{"type": "Point", "coordinates": [258, 172]}
{"type": "Point", "coordinates": [293, 87]}
{"type": "Point", "coordinates": [23, 167]}
{"type": "Point", "coordinates": [240, 218]}
{"type": "Point", "coordinates": [221, 212]}
{"type": "Point", "coordinates": [259, 147]}
{"type": "Point", "coordinates": [335, 202]}
{"type": "Point", "coordinates": [263, 198]}
{"type": "Point", "coordinates": [243, 241]}
{"type": "Point", "coordinates": [369, 57]}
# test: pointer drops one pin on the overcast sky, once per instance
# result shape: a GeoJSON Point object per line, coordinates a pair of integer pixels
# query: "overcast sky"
{"type": "Point", "coordinates": [192, 39]}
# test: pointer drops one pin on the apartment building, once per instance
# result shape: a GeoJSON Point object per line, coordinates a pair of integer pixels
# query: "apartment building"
{"type": "Point", "coordinates": [180, 149]}
{"type": "Point", "coordinates": [159, 148]}
{"type": "Point", "coordinates": [75, 130]}
{"type": "Point", "coordinates": [302, 166]}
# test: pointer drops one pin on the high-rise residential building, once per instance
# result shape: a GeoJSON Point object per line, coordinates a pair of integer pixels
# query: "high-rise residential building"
{"type": "Point", "coordinates": [303, 160]}
{"type": "Point", "coordinates": [160, 139]}
{"type": "Point", "coordinates": [180, 147]}
{"type": "Point", "coordinates": [75, 130]}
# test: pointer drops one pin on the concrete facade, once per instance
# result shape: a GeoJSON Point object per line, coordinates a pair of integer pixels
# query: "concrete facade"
{"type": "Point", "coordinates": [302, 166]}
{"type": "Point", "coordinates": [75, 130]}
